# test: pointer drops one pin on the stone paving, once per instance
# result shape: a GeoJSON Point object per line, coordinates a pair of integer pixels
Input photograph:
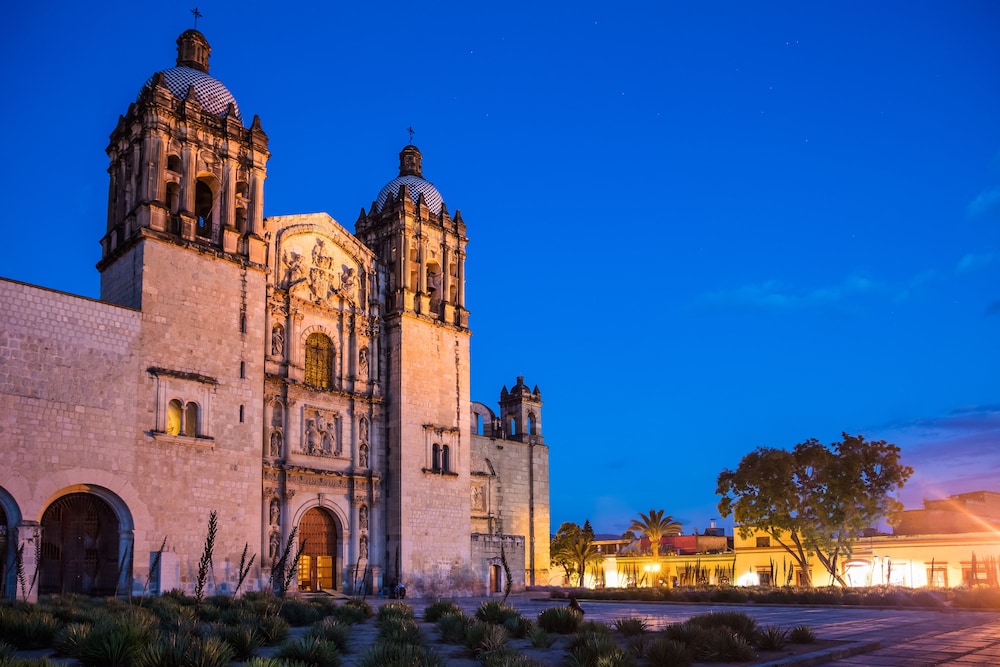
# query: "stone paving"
{"type": "Point", "coordinates": [884, 637]}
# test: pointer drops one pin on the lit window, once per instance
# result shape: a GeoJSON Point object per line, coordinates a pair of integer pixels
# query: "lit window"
{"type": "Point", "coordinates": [174, 417]}
{"type": "Point", "coordinates": [319, 361]}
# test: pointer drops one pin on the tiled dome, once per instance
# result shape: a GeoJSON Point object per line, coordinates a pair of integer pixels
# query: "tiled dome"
{"type": "Point", "coordinates": [416, 187]}
{"type": "Point", "coordinates": [411, 174]}
{"type": "Point", "coordinates": [211, 93]}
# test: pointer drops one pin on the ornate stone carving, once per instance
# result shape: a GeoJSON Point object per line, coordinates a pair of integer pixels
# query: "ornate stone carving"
{"type": "Point", "coordinates": [321, 437]}
{"type": "Point", "coordinates": [363, 517]}
{"type": "Point", "coordinates": [275, 445]}
{"type": "Point", "coordinates": [275, 512]}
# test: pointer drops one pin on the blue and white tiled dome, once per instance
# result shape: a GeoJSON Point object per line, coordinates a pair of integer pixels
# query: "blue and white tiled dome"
{"type": "Point", "coordinates": [192, 70]}
{"type": "Point", "coordinates": [212, 94]}
{"type": "Point", "coordinates": [411, 175]}
{"type": "Point", "coordinates": [416, 186]}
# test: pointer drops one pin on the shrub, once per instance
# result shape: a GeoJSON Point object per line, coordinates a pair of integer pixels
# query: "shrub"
{"type": "Point", "coordinates": [168, 651]}
{"type": "Point", "coordinates": [801, 634]}
{"type": "Point", "coordinates": [29, 629]}
{"type": "Point", "coordinates": [382, 654]}
{"type": "Point", "coordinates": [492, 638]}
{"type": "Point", "coordinates": [739, 622]}
{"type": "Point", "coordinates": [507, 657]}
{"type": "Point", "coordinates": [453, 627]}
{"type": "Point", "coordinates": [562, 620]}
{"type": "Point", "coordinates": [361, 606]}
{"type": "Point", "coordinates": [723, 645]}
{"type": "Point", "coordinates": [68, 640]}
{"type": "Point", "coordinates": [244, 639]}
{"type": "Point", "coordinates": [311, 651]}
{"type": "Point", "coordinates": [665, 652]}
{"type": "Point", "coordinates": [435, 610]}
{"type": "Point", "coordinates": [598, 650]}
{"type": "Point", "coordinates": [273, 630]}
{"type": "Point", "coordinates": [771, 638]}
{"type": "Point", "coordinates": [540, 638]}
{"type": "Point", "coordinates": [630, 626]}
{"type": "Point", "coordinates": [399, 630]}
{"type": "Point", "coordinates": [209, 652]}
{"type": "Point", "coordinates": [299, 613]}
{"type": "Point", "coordinates": [332, 630]}
{"type": "Point", "coordinates": [394, 609]}
{"type": "Point", "coordinates": [686, 633]}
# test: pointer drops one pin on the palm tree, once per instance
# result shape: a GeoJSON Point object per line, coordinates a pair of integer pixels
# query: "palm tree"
{"type": "Point", "coordinates": [655, 526]}
{"type": "Point", "coordinates": [581, 551]}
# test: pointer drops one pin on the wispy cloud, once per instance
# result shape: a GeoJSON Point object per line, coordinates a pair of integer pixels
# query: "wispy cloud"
{"type": "Point", "coordinates": [986, 205]}
{"type": "Point", "coordinates": [972, 262]}
{"type": "Point", "coordinates": [776, 295]}
{"type": "Point", "coordinates": [956, 453]}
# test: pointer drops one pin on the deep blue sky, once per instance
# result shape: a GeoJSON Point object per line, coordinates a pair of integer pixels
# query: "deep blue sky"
{"type": "Point", "coordinates": [698, 227]}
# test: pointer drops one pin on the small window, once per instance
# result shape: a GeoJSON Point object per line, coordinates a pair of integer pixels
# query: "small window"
{"type": "Point", "coordinates": [445, 459]}
{"type": "Point", "coordinates": [174, 417]}
{"type": "Point", "coordinates": [191, 420]}
{"type": "Point", "coordinates": [241, 414]}
{"type": "Point", "coordinates": [763, 542]}
{"type": "Point", "coordinates": [436, 458]}
{"type": "Point", "coordinates": [243, 370]}
{"type": "Point", "coordinates": [174, 163]}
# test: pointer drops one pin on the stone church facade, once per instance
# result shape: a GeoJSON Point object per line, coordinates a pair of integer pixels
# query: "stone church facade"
{"type": "Point", "coordinates": [308, 385]}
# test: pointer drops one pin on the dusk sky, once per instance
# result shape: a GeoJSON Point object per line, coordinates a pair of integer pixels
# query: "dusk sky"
{"type": "Point", "coordinates": [698, 227]}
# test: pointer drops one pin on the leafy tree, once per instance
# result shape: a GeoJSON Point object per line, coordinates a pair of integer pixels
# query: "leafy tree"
{"type": "Point", "coordinates": [814, 499]}
{"type": "Point", "coordinates": [630, 536]}
{"type": "Point", "coordinates": [573, 549]}
{"type": "Point", "coordinates": [655, 526]}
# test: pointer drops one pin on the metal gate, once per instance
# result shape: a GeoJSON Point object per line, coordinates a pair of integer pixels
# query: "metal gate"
{"type": "Point", "coordinates": [79, 547]}
{"type": "Point", "coordinates": [318, 541]}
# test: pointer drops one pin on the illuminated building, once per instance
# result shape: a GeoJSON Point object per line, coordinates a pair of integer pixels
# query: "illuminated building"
{"type": "Point", "coordinates": [282, 372]}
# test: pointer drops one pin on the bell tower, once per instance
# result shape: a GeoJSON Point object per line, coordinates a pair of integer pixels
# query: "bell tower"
{"type": "Point", "coordinates": [422, 251]}
{"type": "Point", "coordinates": [184, 170]}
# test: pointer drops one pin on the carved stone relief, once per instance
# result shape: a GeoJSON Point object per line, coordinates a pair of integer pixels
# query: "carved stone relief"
{"type": "Point", "coordinates": [321, 433]}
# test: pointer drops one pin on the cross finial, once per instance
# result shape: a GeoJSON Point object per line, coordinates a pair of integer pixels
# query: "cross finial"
{"type": "Point", "coordinates": [197, 15]}
{"type": "Point", "coordinates": [410, 130]}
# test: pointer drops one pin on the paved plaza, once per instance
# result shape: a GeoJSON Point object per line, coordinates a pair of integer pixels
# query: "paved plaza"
{"type": "Point", "coordinates": [880, 637]}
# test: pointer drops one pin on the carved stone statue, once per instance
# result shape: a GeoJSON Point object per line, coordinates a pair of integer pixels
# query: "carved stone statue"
{"type": "Point", "coordinates": [277, 340]}
{"type": "Point", "coordinates": [275, 443]}
{"type": "Point", "coordinates": [363, 362]}
{"type": "Point", "coordinates": [363, 517]}
{"type": "Point", "coordinates": [363, 430]}
{"type": "Point", "coordinates": [275, 512]}
{"type": "Point", "coordinates": [312, 436]}
{"type": "Point", "coordinates": [364, 547]}
{"type": "Point", "coordinates": [363, 456]}
{"type": "Point", "coordinates": [477, 498]}
{"type": "Point", "coordinates": [274, 546]}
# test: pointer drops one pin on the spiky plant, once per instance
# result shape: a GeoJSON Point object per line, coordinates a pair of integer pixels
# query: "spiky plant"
{"type": "Point", "coordinates": [664, 652]}
{"type": "Point", "coordinates": [562, 620]}
{"type": "Point", "coordinates": [631, 626]}
{"type": "Point", "coordinates": [312, 651]}
{"type": "Point", "coordinates": [771, 638]}
{"type": "Point", "coordinates": [434, 611]}
{"type": "Point", "coordinates": [205, 563]}
{"type": "Point", "coordinates": [244, 569]}
{"type": "Point", "coordinates": [332, 630]}
{"type": "Point", "coordinates": [801, 634]}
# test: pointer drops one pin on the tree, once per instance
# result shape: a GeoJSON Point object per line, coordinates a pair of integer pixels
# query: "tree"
{"type": "Point", "coordinates": [655, 526]}
{"type": "Point", "coordinates": [814, 499]}
{"type": "Point", "coordinates": [573, 549]}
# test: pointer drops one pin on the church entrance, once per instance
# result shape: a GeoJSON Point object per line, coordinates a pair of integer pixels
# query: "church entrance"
{"type": "Point", "coordinates": [80, 538]}
{"type": "Point", "coordinates": [318, 542]}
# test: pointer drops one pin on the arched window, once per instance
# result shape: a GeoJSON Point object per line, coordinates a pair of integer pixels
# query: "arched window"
{"type": "Point", "coordinates": [204, 204]}
{"type": "Point", "coordinates": [174, 163]}
{"type": "Point", "coordinates": [436, 461]}
{"type": "Point", "coordinates": [511, 426]}
{"type": "Point", "coordinates": [174, 410]}
{"type": "Point", "coordinates": [191, 419]}
{"type": "Point", "coordinates": [319, 361]}
{"type": "Point", "coordinates": [173, 197]}
{"type": "Point", "coordinates": [445, 459]}
{"type": "Point", "coordinates": [531, 423]}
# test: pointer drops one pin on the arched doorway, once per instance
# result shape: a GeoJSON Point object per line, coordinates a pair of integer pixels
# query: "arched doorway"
{"type": "Point", "coordinates": [318, 542]}
{"type": "Point", "coordinates": [80, 540]}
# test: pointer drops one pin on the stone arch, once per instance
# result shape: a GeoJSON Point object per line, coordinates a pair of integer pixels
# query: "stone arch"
{"type": "Point", "coordinates": [482, 419]}
{"type": "Point", "coordinates": [321, 539]}
{"type": "Point", "coordinates": [87, 542]}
